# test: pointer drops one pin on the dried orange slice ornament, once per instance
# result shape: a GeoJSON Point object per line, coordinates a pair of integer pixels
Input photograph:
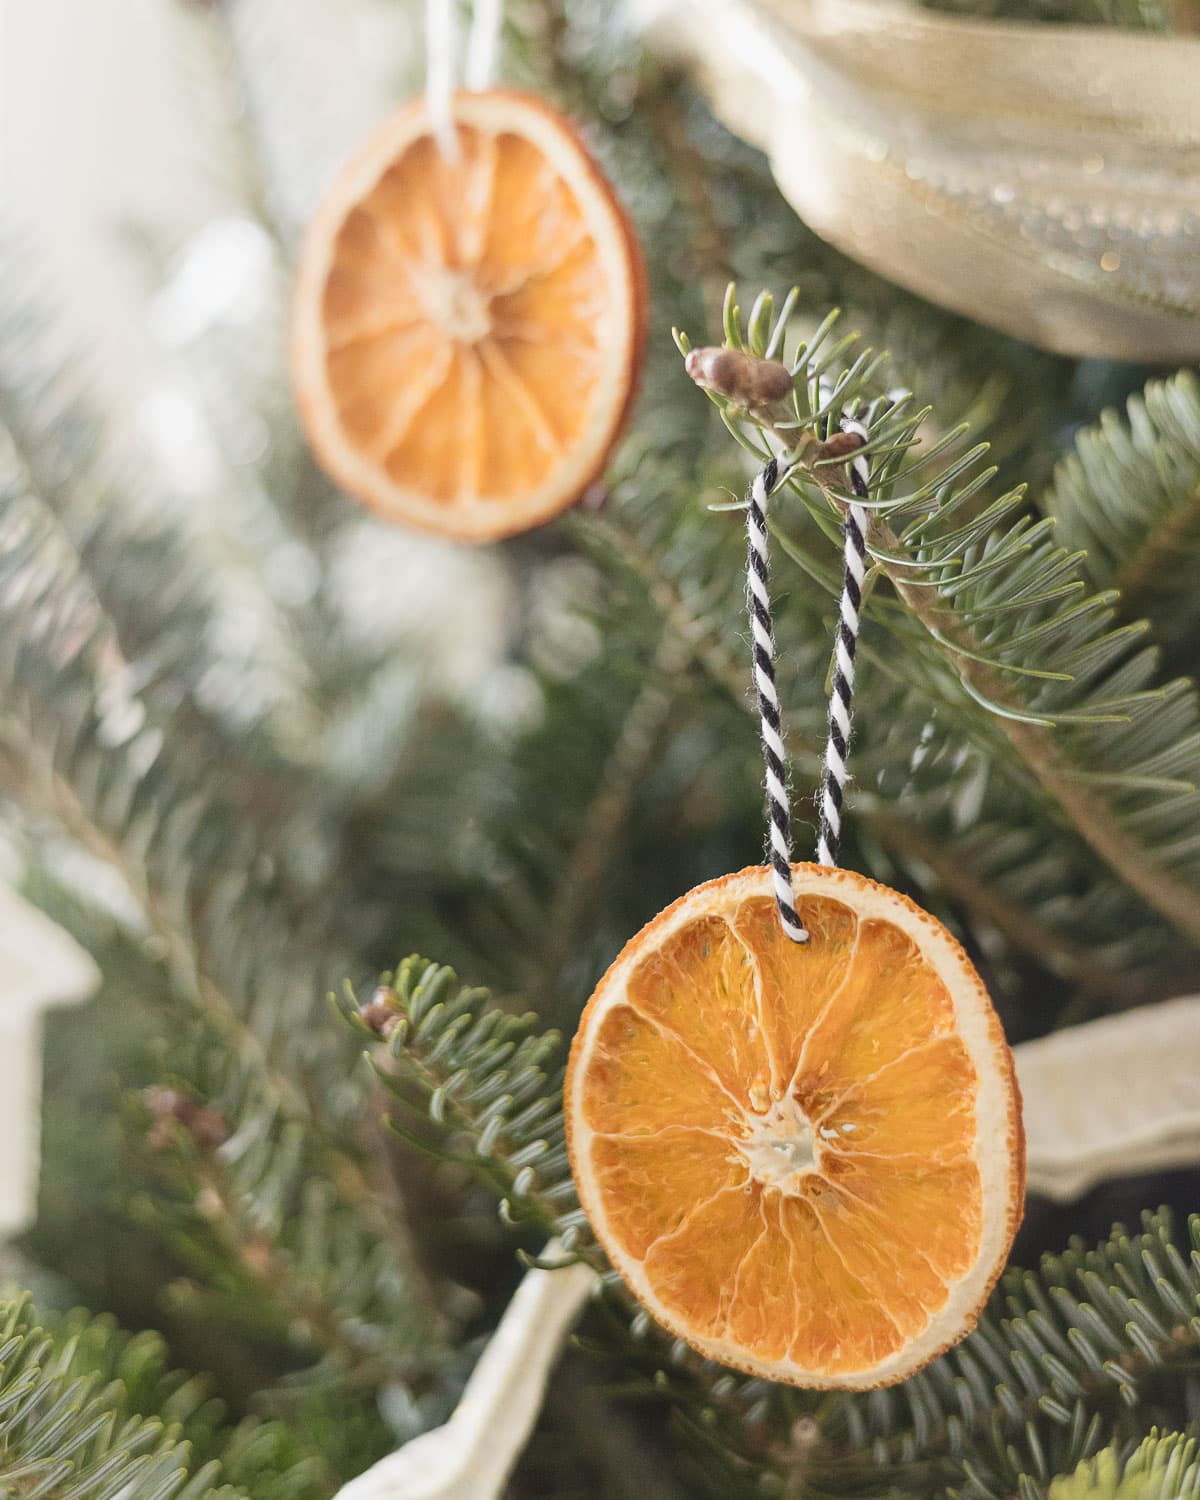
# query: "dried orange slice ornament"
{"type": "Point", "coordinates": [792, 1115]}
{"type": "Point", "coordinates": [806, 1160]}
{"type": "Point", "coordinates": [468, 325]}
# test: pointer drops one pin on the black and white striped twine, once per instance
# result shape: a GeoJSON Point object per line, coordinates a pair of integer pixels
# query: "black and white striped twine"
{"type": "Point", "coordinates": [841, 695]}
{"type": "Point", "coordinates": [762, 646]}
{"type": "Point", "coordinates": [762, 638]}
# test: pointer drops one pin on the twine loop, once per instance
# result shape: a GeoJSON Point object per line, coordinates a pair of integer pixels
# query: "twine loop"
{"type": "Point", "coordinates": [834, 774]}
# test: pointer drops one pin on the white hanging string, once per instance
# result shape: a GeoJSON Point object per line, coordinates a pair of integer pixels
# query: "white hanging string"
{"type": "Point", "coordinates": [441, 59]}
{"type": "Point", "coordinates": [441, 44]}
{"type": "Point", "coordinates": [483, 44]}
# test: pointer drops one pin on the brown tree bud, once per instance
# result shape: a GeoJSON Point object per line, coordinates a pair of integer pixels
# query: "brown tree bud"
{"type": "Point", "coordinates": [380, 1012]}
{"type": "Point", "coordinates": [170, 1107]}
{"type": "Point", "coordinates": [746, 379]}
{"type": "Point", "coordinates": [806, 1433]}
{"type": "Point", "coordinates": [840, 445]}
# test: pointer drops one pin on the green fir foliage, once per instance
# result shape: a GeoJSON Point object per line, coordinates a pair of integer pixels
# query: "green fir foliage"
{"type": "Point", "coordinates": [1129, 15]}
{"type": "Point", "coordinates": [1163, 1467]}
{"type": "Point", "coordinates": [489, 1082]}
{"type": "Point", "coordinates": [1129, 497]}
{"type": "Point", "coordinates": [89, 1413]}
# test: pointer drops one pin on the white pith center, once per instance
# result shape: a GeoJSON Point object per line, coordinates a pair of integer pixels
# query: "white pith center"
{"type": "Point", "coordinates": [781, 1147]}
{"type": "Point", "coordinates": [455, 303]}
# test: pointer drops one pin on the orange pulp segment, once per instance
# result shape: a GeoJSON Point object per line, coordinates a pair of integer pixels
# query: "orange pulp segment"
{"type": "Point", "coordinates": [468, 326]}
{"type": "Point", "coordinates": [807, 1161]}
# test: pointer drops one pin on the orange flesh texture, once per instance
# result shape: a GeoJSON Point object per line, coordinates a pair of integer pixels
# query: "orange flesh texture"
{"type": "Point", "coordinates": [836, 1264]}
{"type": "Point", "coordinates": [461, 313]}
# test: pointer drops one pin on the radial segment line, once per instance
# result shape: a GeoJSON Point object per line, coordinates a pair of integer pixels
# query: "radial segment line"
{"type": "Point", "coordinates": [346, 333]}
{"type": "Point", "coordinates": [394, 250]}
{"type": "Point", "coordinates": [471, 455]}
{"type": "Point", "coordinates": [483, 174]}
{"type": "Point", "coordinates": [396, 429]}
{"type": "Point", "coordinates": [730, 1302]}
{"type": "Point", "coordinates": [538, 270]}
{"type": "Point", "coordinates": [433, 241]}
{"type": "Point", "coordinates": [518, 391]}
{"type": "Point", "coordinates": [881, 1219]}
{"type": "Point", "coordinates": [664, 1028]}
{"type": "Point", "coordinates": [853, 1275]}
{"type": "Point", "coordinates": [893, 1062]}
{"type": "Point", "coordinates": [520, 331]}
{"type": "Point", "coordinates": [819, 1020]}
{"type": "Point", "coordinates": [685, 1222]}
{"type": "Point", "coordinates": [760, 1014]}
{"type": "Point", "coordinates": [629, 1138]}
{"type": "Point", "coordinates": [902, 1158]}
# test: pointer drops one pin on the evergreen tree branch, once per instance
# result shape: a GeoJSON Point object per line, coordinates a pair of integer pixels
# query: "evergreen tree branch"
{"type": "Point", "coordinates": [1162, 1467]}
{"type": "Point", "coordinates": [606, 814]}
{"type": "Point", "coordinates": [993, 599]}
{"type": "Point", "coordinates": [1059, 1358]}
{"type": "Point", "coordinates": [1161, 551]}
{"type": "Point", "coordinates": [295, 1297]}
{"type": "Point", "coordinates": [986, 902]}
{"type": "Point", "coordinates": [243, 1198]}
{"type": "Point", "coordinates": [86, 1413]}
{"type": "Point", "coordinates": [697, 628]}
{"type": "Point", "coordinates": [260, 192]}
{"type": "Point", "coordinates": [711, 252]}
{"type": "Point", "coordinates": [1063, 1359]}
{"type": "Point", "coordinates": [903, 822]}
{"type": "Point", "coordinates": [608, 1439]}
{"type": "Point", "coordinates": [1095, 815]}
{"type": "Point", "coordinates": [490, 1083]}
{"type": "Point", "coordinates": [78, 742]}
{"type": "Point", "coordinates": [1129, 497]}
{"type": "Point", "coordinates": [254, 698]}
{"type": "Point", "coordinates": [124, 528]}
{"type": "Point", "coordinates": [1086, 1337]}
{"type": "Point", "coordinates": [337, 1204]}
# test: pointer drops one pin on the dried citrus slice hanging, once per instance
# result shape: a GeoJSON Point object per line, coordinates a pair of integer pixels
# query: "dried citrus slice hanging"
{"type": "Point", "coordinates": [468, 326]}
{"type": "Point", "coordinates": [807, 1161]}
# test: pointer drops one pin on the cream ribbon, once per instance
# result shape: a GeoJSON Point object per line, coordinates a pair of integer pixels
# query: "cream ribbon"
{"type": "Point", "coordinates": [1041, 179]}
{"type": "Point", "coordinates": [40, 966]}
{"type": "Point", "coordinates": [1112, 1098]}
{"type": "Point", "coordinates": [472, 1455]}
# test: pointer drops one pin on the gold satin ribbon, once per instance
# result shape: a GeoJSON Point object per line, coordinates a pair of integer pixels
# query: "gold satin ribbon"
{"type": "Point", "coordinates": [1041, 179]}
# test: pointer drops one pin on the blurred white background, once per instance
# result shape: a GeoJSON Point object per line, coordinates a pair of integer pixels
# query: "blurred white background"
{"type": "Point", "coordinates": [133, 203]}
{"type": "Point", "coordinates": [108, 127]}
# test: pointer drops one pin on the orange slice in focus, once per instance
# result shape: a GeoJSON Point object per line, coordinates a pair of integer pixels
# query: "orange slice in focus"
{"type": "Point", "coordinates": [807, 1161]}
{"type": "Point", "coordinates": [468, 328]}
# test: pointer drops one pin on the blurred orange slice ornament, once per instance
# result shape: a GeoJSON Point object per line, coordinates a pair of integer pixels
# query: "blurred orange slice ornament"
{"type": "Point", "coordinates": [468, 325]}
{"type": "Point", "coordinates": [806, 1160]}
